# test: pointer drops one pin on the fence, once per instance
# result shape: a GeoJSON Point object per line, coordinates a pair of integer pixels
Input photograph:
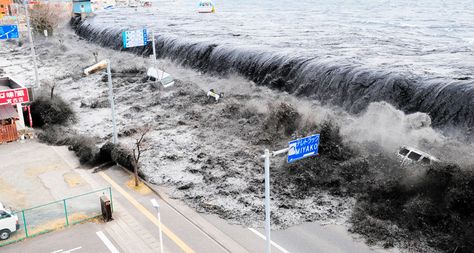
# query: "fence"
{"type": "Point", "coordinates": [8, 133]}
{"type": "Point", "coordinates": [58, 214]}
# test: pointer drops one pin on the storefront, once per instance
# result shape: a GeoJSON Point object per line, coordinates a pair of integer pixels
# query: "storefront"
{"type": "Point", "coordinates": [14, 99]}
{"type": "Point", "coordinates": [8, 118]}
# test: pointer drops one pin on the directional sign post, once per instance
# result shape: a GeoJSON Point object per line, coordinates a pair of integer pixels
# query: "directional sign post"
{"type": "Point", "coordinates": [302, 148]}
{"type": "Point", "coordinates": [135, 38]}
{"type": "Point", "coordinates": [297, 149]}
{"type": "Point", "coordinates": [9, 32]}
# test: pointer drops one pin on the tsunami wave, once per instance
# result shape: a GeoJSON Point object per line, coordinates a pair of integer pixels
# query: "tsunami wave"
{"type": "Point", "coordinates": [449, 102]}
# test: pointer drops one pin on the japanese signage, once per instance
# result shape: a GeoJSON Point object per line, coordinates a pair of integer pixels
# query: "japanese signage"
{"type": "Point", "coordinates": [302, 148]}
{"type": "Point", "coordinates": [134, 38]}
{"type": "Point", "coordinates": [14, 96]}
{"type": "Point", "coordinates": [8, 32]}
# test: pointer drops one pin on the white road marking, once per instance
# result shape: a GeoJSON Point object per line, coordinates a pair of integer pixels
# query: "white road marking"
{"type": "Point", "coordinates": [67, 251]}
{"type": "Point", "coordinates": [272, 242]}
{"type": "Point", "coordinates": [71, 250]}
{"type": "Point", "coordinates": [107, 242]}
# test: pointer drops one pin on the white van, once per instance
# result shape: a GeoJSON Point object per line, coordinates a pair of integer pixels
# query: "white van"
{"type": "Point", "coordinates": [8, 223]}
{"type": "Point", "coordinates": [413, 155]}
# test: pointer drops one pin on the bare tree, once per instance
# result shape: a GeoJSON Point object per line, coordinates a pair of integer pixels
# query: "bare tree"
{"type": "Point", "coordinates": [49, 84]}
{"type": "Point", "coordinates": [48, 17]}
{"type": "Point", "coordinates": [138, 149]}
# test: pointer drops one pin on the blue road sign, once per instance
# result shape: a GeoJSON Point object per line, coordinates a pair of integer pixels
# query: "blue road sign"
{"type": "Point", "coordinates": [302, 148]}
{"type": "Point", "coordinates": [135, 38]}
{"type": "Point", "coordinates": [9, 32]}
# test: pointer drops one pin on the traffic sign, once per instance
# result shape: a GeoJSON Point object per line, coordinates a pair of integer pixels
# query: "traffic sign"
{"type": "Point", "coordinates": [302, 148]}
{"type": "Point", "coordinates": [135, 38]}
{"type": "Point", "coordinates": [9, 32]}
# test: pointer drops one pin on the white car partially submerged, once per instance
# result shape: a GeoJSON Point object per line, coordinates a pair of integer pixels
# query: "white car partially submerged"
{"type": "Point", "coordinates": [8, 223]}
{"type": "Point", "coordinates": [412, 155]}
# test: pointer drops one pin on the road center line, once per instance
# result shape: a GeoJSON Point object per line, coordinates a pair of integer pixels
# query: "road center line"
{"type": "Point", "coordinates": [107, 242]}
{"type": "Point", "coordinates": [272, 242]}
{"type": "Point", "coordinates": [147, 214]}
{"type": "Point", "coordinates": [57, 251]}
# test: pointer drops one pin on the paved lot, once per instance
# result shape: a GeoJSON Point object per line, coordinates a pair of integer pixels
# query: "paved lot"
{"type": "Point", "coordinates": [78, 239]}
{"type": "Point", "coordinates": [32, 174]}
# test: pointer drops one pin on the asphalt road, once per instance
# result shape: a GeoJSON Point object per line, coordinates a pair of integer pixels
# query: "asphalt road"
{"type": "Point", "coordinates": [77, 239]}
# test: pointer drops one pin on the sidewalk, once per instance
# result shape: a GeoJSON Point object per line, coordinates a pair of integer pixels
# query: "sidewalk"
{"type": "Point", "coordinates": [180, 234]}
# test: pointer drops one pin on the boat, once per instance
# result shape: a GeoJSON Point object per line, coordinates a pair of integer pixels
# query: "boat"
{"type": "Point", "coordinates": [206, 6]}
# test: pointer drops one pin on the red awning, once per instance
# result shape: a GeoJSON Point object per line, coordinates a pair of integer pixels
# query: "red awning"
{"type": "Point", "coordinates": [7, 112]}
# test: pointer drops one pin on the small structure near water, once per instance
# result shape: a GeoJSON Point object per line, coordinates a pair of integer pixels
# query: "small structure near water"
{"type": "Point", "coordinates": [81, 6]}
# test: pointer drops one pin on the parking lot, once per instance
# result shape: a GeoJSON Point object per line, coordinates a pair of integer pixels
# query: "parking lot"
{"type": "Point", "coordinates": [33, 174]}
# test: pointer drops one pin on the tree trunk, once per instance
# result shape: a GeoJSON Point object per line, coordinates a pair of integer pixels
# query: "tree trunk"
{"type": "Point", "coordinates": [135, 172]}
{"type": "Point", "coordinates": [52, 92]}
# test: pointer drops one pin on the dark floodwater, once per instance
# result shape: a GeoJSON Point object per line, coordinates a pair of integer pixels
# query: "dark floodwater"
{"type": "Point", "coordinates": [417, 55]}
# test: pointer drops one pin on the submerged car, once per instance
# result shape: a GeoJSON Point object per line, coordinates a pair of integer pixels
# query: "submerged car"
{"type": "Point", "coordinates": [413, 155]}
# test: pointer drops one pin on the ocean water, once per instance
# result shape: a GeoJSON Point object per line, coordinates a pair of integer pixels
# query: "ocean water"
{"type": "Point", "coordinates": [416, 55]}
{"type": "Point", "coordinates": [425, 37]}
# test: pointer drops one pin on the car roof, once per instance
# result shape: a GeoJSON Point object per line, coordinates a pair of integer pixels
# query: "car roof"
{"type": "Point", "coordinates": [420, 152]}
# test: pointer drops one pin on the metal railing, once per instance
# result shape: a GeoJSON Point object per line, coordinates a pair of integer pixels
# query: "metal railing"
{"type": "Point", "coordinates": [58, 214]}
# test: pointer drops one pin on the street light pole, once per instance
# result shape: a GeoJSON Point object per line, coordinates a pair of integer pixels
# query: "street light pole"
{"type": "Point", "coordinates": [32, 45]}
{"type": "Point", "coordinates": [112, 103]}
{"type": "Point", "coordinates": [157, 207]}
{"type": "Point", "coordinates": [99, 66]}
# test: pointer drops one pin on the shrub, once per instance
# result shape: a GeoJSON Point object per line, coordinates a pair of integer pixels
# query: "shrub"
{"type": "Point", "coordinates": [117, 154]}
{"type": "Point", "coordinates": [282, 117]}
{"type": "Point", "coordinates": [84, 147]}
{"type": "Point", "coordinates": [47, 17]}
{"type": "Point", "coordinates": [47, 111]}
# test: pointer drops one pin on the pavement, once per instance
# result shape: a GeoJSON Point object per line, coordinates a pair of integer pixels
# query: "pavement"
{"type": "Point", "coordinates": [33, 174]}
{"type": "Point", "coordinates": [79, 238]}
{"type": "Point", "coordinates": [36, 172]}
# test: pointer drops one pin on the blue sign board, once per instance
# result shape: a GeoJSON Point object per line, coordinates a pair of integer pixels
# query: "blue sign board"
{"type": "Point", "coordinates": [81, 6]}
{"type": "Point", "coordinates": [134, 38]}
{"type": "Point", "coordinates": [9, 32]}
{"type": "Point", "coordinates": [302, 148]}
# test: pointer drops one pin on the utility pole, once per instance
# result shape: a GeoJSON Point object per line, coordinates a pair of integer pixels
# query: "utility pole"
{"type": "Point", "coordinates": [153, 45]}
{"type": "Point", "coordinates": [267, 201]}
{"type": "Point", "coordinates": [32, 45]}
